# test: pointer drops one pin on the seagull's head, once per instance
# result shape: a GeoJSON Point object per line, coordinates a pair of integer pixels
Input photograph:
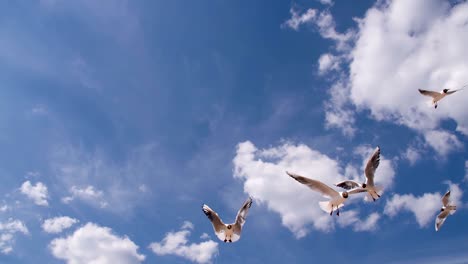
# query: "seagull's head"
{"type": "Point", "coordinates": [445, 90]}
{"type": "Point", "coordinates": [442, 209]}
{"type": "Point", "coordinates": [364, 185]}
{"type": "Point", "coordinates": [229, 227]}
{"type": "Point", "coordinates": [345, 195]}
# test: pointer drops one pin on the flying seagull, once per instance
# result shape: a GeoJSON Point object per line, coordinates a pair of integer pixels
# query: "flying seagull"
{"type": "Point", "coordinates": [337, 199]}
{"type": "Point", "coordinates": [444, 211]}
{"type": "Point", "coordinates": [230, 232]}
{"type": "Point", "coordinates": [371, 167]}
{"type": "Point", "coordinates": [437, 96]}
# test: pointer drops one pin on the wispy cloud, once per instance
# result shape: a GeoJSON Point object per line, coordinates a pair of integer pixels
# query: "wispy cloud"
{"type": "Point", "coordinates": [8, 230]}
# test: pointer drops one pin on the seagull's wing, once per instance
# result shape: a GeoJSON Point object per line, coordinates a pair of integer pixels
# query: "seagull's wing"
{"type": "Point", "coordinates": [372, 165]}
{"type": "Point", "coordinates": [242, 214]}
{"type": "Point", "coordinates": [441, 219]}
{"type": "Point", "coordinates": [446, 199]}
{"type": "Point", "coordinates": [218, 225]}
{"type": "Point", "coordinates": [452, 91]}
{"type": "Point", "coordinates": [428, 93]}
{"type": "Point", "coordinates": [348, 185]}
{"type": "Point", "coordinates": [315, 185]}
{"type": "Point", "coordinates": [358, 190]}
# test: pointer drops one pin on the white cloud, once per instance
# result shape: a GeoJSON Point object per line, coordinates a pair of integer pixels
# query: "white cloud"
{"type": "Point", "coordinates": [7, 232]}
{"type": "Point", "coordinates": [424, 207]}
{"type": "Point", "coordinates": [328, 62]}
{"type": "Point", "coordinates": [176, 243]}
{"type": "Point", "coordinates": [38, 193]}
{"type": "Point", "coordinates": [351, 218]}
{"type": "Point", "coordinates": [337, 111]}
{"type": "Point", "coordinates": [442, 141]}
{"type": "Point", "coordinates": [88, 194]}
{"type": "Point", "coordinates": [263, 172]}
{"type": "Point", "coordinates": [326, 2]}
{"type": "Point", "coordinates": [58, 224]}
{"type": "Point", "coordinates": [466, 170]}
{"type": "Point", "coordinates": [95, 244]}
{"type": "Point", "coordinates": [297, 19]}
{"type": "Point", "coordinates": [401, 46]}
{"type": "Point", "coordinates": [412, 155]}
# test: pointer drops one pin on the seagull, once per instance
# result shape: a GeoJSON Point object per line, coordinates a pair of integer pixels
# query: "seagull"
{"type": "Point", "coordinates": [231, 232]}
{"type": "Point", "coordinates": [444, 211]}
{"type": "Point", "coordinates": [337, 199]}
{"type": "Point", "coordinates": [368, 186]}
{"type": "Point", "coordinates": [437, 96]}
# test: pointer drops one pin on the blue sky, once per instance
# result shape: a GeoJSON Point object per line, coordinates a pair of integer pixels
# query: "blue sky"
{"type": "Point", "coordinates": [119, 119]}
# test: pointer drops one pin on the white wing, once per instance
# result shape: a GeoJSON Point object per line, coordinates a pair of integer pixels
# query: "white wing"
{"type": "Point", "coordinates": [446, 199]}
{"type": "Point", "coordinates": [429, 93]}
{"type": "Point", "coordinates": [441, 219]}
{"type": "Point", "coordinates": [348, 185]}
{"type": "Point", "coordinates": [372, 165]}
{"type": "Point", "coordinates": [315, 185]}
{"type": "Point", "coordinates": [240, 220]}
{"type": "Point", "coordinates": [218, 225]}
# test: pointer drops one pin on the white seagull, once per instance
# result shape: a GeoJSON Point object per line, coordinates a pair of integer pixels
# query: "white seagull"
{"type": "Point", "coordinates": [371, 167]}
{"type": "Point", "coordinates": [231, 232]}
{"type": "Point", "coordinates": [337, 199]}
{"type": "Point", "coordinates": [437, 96]}
{"type": "Point", "coordinates": [444, 211]}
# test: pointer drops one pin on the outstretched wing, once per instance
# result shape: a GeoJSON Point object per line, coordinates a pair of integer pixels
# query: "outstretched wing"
{"type": "Point", "coordinates": [446, 199]}
{"type": "Point", "coordinates": [452, 91]}
{"type": "Point", "coordinates": [428, 93]}
{"type": "Point", "coordinates": [441, 219]}
{"type": "Point", "coordinates": [315, 185]}
{"type": "Point", "coordinates": [218, 225]}
{"type": "Point", "coordinates": [240, 219]}
{"type": "Point", "coordinates": [347, 185]}
{"type": "Point", "coordinates": [372, 165]}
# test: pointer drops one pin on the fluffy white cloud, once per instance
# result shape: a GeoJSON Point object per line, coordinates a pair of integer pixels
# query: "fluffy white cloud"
{"type": "Point", "coordinates": [424, 207]}
{"type": "Point", "coordinates": [328, 62]}
{"type": "Point", "coordinates": [176, 243]}
{"type": "Point", "coordinates": [88, 194]}
{"type": "Point", "coordinates": [399, 49]}
{"type": "Point", "coordinates": [38, 193]}
{"type": "Point", "coordinates": [351, 218]}
{"type": "Point", "coordinates": [263, 172]}
{"type": "Point", "coordinates": [58, 224]}
{"type": "Point", "coordinates": [7, 232]}
{"type": "Point", "coordinates": [337, 111]}
{"type": "Point", "coordinates": [95, 244]}
{"type": "Point", "coordinates": [442, 141]}
{"type": "Point", "coordinates": [412, 155]}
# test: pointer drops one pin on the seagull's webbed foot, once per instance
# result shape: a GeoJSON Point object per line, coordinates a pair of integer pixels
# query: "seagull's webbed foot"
{"type": "Point", "coordinates": [435, 106]}
{"type": "Point", "coordinates": [337, 212]}
{"type": "Point", "coordinates": [225, 240]}
{"type": "Point", "coordinates": [230, 241]}
{"type": "Point", "coordinates": [331, 212]}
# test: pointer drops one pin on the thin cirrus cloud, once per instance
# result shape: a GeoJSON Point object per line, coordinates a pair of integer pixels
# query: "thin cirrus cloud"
{"type": "Point", "coordinates": [177, 243]}
{"type": "Point", "coordinates": [95, 244]}
{"type": "Point", "coordinates": [264, 178]}
{"type": "Point", "coordinates": [391, 55]}
{"type": "Point", "coordinates": [37, 193]}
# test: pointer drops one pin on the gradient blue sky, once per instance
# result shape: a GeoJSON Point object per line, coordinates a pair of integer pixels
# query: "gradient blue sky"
{"type": "Point", "coordinates": [134, 114]}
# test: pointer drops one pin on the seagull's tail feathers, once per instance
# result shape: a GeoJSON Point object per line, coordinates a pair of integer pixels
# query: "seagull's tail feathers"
{"type": "Point", "coordinates": [327, 207]}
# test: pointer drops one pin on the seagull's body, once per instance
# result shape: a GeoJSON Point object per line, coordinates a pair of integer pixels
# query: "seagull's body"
{"type": "Point", "coordinates": [228, 232]}
{"type": "Point", "coordinates": [437, 96]}
{"type": "Point", "coordinates": [446, 210]}
{"type": "Point", "coordinates": [337, 199]}
{"type": "Point", "coordinates": [369, 186]}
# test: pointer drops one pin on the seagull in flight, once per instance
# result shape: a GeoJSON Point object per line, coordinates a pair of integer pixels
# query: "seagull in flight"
{"type": "Point", "coordinates": [371, 167]}
{"type": "Point", "coordinates": [337, 199]}
{"type": "Point", "coordinates": [445, 211]}
{"type": "Point", "coordinates": [437, 96]}
{"type": "Point", "coordinates": [228, 232]}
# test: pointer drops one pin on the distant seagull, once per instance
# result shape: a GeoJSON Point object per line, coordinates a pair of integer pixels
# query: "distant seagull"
{"type": "Point", "coordinates": [337, 199]}
{"type": "Point", "coordinates": [230, 232]}
{"type": "Point", "coordinates": [444, 211]}
{"type": "Point", "coordinates": [371, 167]}
{"type": "Point", "coordinates": [437, 96]}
